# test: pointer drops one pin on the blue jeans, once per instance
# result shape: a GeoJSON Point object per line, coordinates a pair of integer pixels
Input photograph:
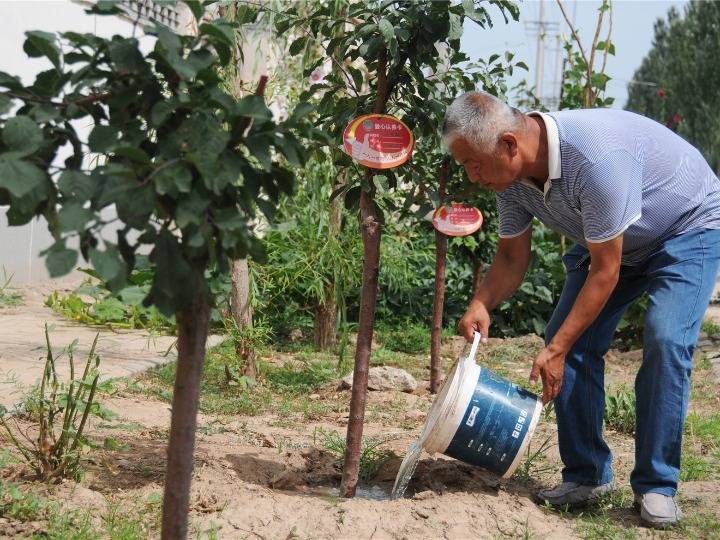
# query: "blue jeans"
{"type": "Point", "coordinates": [679, 277]}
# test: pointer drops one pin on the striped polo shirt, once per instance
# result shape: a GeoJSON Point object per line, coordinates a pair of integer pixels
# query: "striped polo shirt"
{"type": "Point", "coordinates": [614, 172]}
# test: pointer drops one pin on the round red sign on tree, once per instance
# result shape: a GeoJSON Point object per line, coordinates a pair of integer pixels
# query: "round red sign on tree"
{"type": "Point", "coordinates": [456, 219]}
{"type": "Point", "coordinates": [378, 141]}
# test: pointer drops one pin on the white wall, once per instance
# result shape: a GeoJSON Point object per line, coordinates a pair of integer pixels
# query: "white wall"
{"type": "Point", "coordinates": [20, 246]}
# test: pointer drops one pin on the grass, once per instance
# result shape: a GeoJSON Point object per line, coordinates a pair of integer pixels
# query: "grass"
{"type": "Point", "coordinates": [9, 296]}
{"type": "Point", "coordinates": [410, 338]}
{"type": "Point", "coordinates": [701, 448]}
{"type": "Point", "coordinates": [710, 328]}
{"type": "Point", "coordinates": [620, 410]}
{"type": "Point", "coordinates": [51, 519]}
{"type": "Point", "coordinates": [372, 457]}
{"type": "Point", "coordinates": [285, 388]}
{"type": "Point", "coordinates": [535, 464]}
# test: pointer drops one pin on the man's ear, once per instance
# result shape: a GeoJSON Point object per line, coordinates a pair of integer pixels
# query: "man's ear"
{"type": "Point", "coordinates": [509, 144]}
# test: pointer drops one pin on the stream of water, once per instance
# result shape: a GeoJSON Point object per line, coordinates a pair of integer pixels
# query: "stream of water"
{"type": "Point", "coordinates": [406, 470]}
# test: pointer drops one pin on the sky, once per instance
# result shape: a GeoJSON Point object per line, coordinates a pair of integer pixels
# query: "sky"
{"type": "Point", "coordinates": [632, 34]}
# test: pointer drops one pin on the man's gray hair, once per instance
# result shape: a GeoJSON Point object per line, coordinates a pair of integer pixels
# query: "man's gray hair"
{"type": "Point", "coordinates": [481, 119]}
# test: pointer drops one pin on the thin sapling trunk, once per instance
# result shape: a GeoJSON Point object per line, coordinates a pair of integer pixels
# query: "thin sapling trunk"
{"type": "Point", "coordinates": [437, 321]}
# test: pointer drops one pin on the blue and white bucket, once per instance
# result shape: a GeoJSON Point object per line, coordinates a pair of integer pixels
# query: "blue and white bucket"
{"type": "Point", "coordinates": [481, 418]}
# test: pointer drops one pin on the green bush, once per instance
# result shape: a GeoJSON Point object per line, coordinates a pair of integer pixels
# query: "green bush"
{"type": "Point", "coordinates": [410, 338]}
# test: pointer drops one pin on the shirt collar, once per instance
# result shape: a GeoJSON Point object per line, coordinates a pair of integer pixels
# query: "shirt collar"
{"type": "Point", "coordinates": [553, 140]}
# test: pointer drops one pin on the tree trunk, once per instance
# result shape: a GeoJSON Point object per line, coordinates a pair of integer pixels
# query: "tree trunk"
{"type": "Point", "coordinates": [240, 274]}
{"type": "Point", "coordinates": [371, 232]}
{"type": "Point", "coordinates": [326, 320]}
{"type": "Point", "coordinates": [242, 314]}
{"type": "Point", "coordinates": [477, 275]}
{"type": "Point", "coordinates": [192, 325]}
{"type": "Point", "coordinates": [437, 320]}
{"type": "Point", "coordinates": [325, 324]}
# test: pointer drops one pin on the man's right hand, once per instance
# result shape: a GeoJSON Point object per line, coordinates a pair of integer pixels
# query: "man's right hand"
{"type": "Point", "coordinates": [476, 319]}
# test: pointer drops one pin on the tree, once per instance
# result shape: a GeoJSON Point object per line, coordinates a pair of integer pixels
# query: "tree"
{"type": "Point", "coordinates": [677, 82]}
{"type": "Point", "coordinates": [393, 42]}
{"type": "Point", "coordinates": [182, 163]}
{"type": "Point", "coordinates": [583, 85]}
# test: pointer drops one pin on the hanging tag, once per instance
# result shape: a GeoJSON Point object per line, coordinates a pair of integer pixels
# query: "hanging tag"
{"type": "Point", "coordinates": [457, 219]}
{"type": "Point", "coordinates": [378, 141]}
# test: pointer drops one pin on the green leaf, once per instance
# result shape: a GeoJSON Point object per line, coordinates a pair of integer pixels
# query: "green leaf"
{"type": "Point", "coordinates": [103, 138]}
{"type": "Point", "coordinates": [44, 112]}
{"type": "Point", "coordinates": [111, 443]}
{"type": "Point", "coordinates": [132, 153]}
{"type": "Point", "coordinates": [402, 33]}
{"type": "Point", "coordinates": [73, 217]}
{"type": "Point", "coordinates": [225, 170]}
{"type": "Point", "coordinates": [76, 184]}
{"type": "Point", "coordinates": [59, 259]}
{"type": "Point", "coordinates": [110, 266]}
{"type": "Point", "coordinates": [387, 30]}
{"type": "Point", "coordinates": [253, 107]}
{"type": "Point", "coordinates": [197, 8]}
{"type": "Point", "coordinates": [221, 32]}
{"type": "Point", "coordinates": [125, 55]}
{"type": "Point", "coordinates": [202, 137]}
{"type": "Point", "coordinates": [20, 177]}
{"type": "Point", "coordinates": [190, 210]}
{"type": "Point", "coordinates": [11, 82]}
{"type": "Point", "coordinates": [40, 43]}
{"type": "Point", "coordinates": [5, 104]}
{"type": "Point", "coordinates": [259, 147]}
{"type": "Point", "coordinates": [133, 295]}
{"type": "Point", "coordinates": [456, 30]}
{"type": "Point", "coordinates": [297, 45]}
{"type": "Point", "coordinates": [301, 110]}
{"type": "Point", "coordinates": [161, 110]}
{"type": "Point", "coordinates": [174, 283]}
{"type": "Point", "coordinates": [172, 180]}
{"type": "Point", "coordinates": [22, 135]}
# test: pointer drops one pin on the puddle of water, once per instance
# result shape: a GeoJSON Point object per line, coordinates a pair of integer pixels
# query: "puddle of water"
{"type": "Point", "coordinates": [374, 493]}
{"type": "Point", "coordinates": [407, 469]}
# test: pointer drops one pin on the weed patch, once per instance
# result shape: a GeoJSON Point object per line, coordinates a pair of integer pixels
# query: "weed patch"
{"type": "Point", "coordinates": [372, 457]}
{"type": "Point", "coordinates": [535, 463]}
{"type": "Point", "coordinates": [710, 328]}
{"type": "Point", "coordinates": [9, 296]}
{"type": "Point", "coordinates": [284, 388]}
{"type": "Point", "coordinates": [620, 410]}
{"type": "Point", "coordinates": [58, 411]}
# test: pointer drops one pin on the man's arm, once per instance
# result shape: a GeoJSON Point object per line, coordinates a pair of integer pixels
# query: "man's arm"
{"type": "Point", "coordinates": [501, 280]}
{"type": "Point", "coordinates": [602, 278]}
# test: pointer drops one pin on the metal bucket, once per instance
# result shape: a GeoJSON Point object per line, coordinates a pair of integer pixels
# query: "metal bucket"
{"type": "Point", "coordinates": [481, 418]}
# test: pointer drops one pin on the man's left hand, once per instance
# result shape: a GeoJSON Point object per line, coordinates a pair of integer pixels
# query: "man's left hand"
{"type": "Point", "coordinates": [549, 365]}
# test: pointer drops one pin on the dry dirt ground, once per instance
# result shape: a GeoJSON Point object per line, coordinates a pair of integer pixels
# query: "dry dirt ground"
{"type": "Point", "coordinates": [272, 475]}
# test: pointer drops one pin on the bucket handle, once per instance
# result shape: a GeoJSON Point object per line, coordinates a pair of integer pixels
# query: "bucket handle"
{"type": "Point", "coordinates": [474, 348]}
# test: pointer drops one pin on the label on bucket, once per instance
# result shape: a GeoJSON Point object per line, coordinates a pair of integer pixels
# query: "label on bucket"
{"type": "Point", "coordinates": [495, 424]}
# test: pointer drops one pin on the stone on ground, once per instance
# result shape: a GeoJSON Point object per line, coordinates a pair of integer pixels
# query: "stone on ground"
{"type": "Point", "coordinates": [385, 378]}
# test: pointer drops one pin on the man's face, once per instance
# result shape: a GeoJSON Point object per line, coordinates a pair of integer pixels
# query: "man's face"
{"type": "Point", "coordinates": [496, 171]}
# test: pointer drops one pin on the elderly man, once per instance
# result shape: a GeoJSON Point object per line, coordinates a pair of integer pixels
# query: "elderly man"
{"type": "Point", "coordinates": [643, 208]}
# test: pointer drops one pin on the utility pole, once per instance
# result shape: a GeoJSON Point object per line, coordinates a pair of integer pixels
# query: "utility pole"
{"type": "Point", "coordinates": [539, 29]}
{"type": "Point", "coordinates": [540, 53]}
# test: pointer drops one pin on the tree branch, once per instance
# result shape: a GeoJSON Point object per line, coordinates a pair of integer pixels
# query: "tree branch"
{"type": "Point", "coordinates": [572, 29]}
{"type": "Point", "coordinates": [607, 39]}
